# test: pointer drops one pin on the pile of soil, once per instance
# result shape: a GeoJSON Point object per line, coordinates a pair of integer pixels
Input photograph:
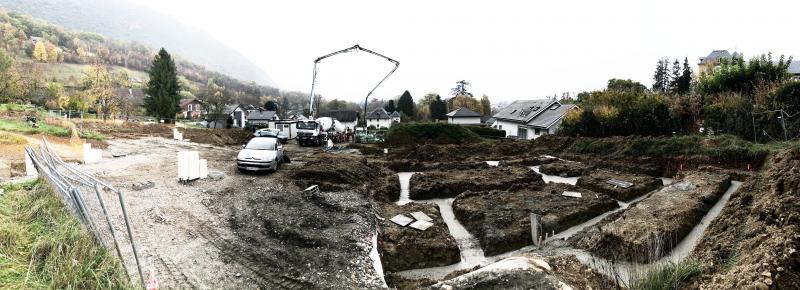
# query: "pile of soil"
{"type": "Point", "coordinates": [500, 220]}
{"type": "Point", "coordinates": [564, 168]}
{"type": "Point", "coordinates": [405, 248]}
{"type": "Point", "coordinates": [339, 172]}
{"type": "Point", "coordinates": [443, 184]}
{"type": "Point", "coordinates": [650, 228]}
{"type": "Point", "coordinates": [529, 161]}
{"type": "Point", "coordinates": [217, 137]}
{"type": "Point", "coordinates": [597, 180]}
{"type": "Point", "coordinates": [754, 242]}
{"type": "Point", "coordinates": [496, 150]}
{"type": "Point", "coordinates": [304, 241]}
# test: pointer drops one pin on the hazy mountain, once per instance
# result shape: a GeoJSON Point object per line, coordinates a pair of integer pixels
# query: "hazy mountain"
{"type": "Point", "coordinates": [123, 20]}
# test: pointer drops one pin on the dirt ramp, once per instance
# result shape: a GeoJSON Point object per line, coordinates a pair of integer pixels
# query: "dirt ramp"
{"type": "Point", "coordinates": [598, 180]}
{"type": "Point", "coordinates": [449, 183]}
{"type": "Point", "coordinates": [406, 248]}
{"type": "Point", "coordinates": [650, 228]}
{"type": "Point", "coordinates": [500, 220]}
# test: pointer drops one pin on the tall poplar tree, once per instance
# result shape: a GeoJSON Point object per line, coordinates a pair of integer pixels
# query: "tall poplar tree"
{"type": "Point", "coordinates": [162, 90]}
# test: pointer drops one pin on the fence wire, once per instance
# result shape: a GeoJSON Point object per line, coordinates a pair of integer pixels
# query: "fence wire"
{"type": "Point", "coordinates": [85, 197]}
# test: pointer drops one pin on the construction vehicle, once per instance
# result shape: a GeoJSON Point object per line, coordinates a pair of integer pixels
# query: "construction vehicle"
{"type": "Point", "coordinates": [318, 131]}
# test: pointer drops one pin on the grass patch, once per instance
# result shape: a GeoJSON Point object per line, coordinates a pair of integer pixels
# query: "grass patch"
{"type": "Point", "coordinates": [667, 277]}
{"type": "Point", "coordinates": [11, 139]}
{"type": "Point", "coordinates": [42, 246]}
{"type": "Point", "coordinates": [429, 132]}
{"type": "Point", "coordinates": [92, 135]}
{"type": "Point", "coordinates": [597, 146]}
{"type": "Point", "coordinates": [23, 127]}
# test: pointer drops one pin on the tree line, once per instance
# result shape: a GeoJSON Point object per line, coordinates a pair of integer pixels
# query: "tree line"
{"type": "Point", "coordinates": [748, 99]}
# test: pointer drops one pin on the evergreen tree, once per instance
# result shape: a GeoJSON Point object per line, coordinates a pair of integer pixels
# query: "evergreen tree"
{"type": "Point", "coordinates": [162, 90]}
{"type": "Point", "coordinates": [661, 76]}
{"type": "Point", "coordinates": [685, 82]}
{"type": "Point", "coordinates": [390, 107]}
{"type": "Point", "coordinates": [438, 109]}
{"type": "Point", "coordinates": [675, 78]}
{"type": "Point", "coordinates": [406, 104]}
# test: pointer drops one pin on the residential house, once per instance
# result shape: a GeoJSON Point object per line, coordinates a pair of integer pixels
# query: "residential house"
{"type": "Point", "coordinates": [488, 121]}
{"type": "Point", "coordinates": [135, 96]}
{"type": "Point", "coordinates": [262, 119]}
{"type": "Point", "coordinates": [348, 118]}
{"type": "Point", "coordinates": [382, 119]}
{"type": "Point", "coordinates": [296, 115]}
{"type": "Point", "coordinates": [531, 119]}
{"type": "Point", "coordinates": [464, 116]}
{"type": "Point", "coordinates": [708, 63]}
{"type": "Point", "coordinates": [191, 108]}
{"type": "Point", "coordinates": [237, 114]}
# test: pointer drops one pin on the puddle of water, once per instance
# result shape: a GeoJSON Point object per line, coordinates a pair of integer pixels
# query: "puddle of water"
{"type": "Point", "coordinates": [405, 181]}
{"type": "Point", "coordinates": [376, 258]}
{"type": "Point", "coordinates": [556, 179]}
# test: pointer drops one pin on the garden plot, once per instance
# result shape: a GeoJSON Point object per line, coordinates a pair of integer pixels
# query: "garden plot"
{"type": "Point", "coordinates": [501, 219]}
{"type": "Point", "coordinates": [652, 227]}
{"type": "Point", "coordinates": [618, 185]}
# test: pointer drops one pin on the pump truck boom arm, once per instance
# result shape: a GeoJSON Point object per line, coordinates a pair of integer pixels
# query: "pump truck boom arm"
{"type": "Point", "coordinates": [349, 49]}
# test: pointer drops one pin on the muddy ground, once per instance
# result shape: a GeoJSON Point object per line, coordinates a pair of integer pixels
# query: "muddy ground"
{"type": "Point", "coordinates": [341, 171]}
{"type": "Point", "coordinates": [405, 248]}
{"type": "Point", "coordinates": [246, 231]}
{"type": "Point", "coordinates": [650, 228]}
{"type": "Point", "coordinates": [597, 180]}
{"type": "Point", "coordinates": [565, 168]}
{"type": "Point", "coordinates": [501, 219]}
{"type": "Point", "coordinates": [449, 183]}
{"type": "Point", "coordinates": [754, 243]}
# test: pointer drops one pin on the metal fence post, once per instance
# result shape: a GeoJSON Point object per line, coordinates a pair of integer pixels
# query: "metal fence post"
{"type": "Point", "coordinates": [111, 228]}
{"type": "Point", "coordinates": [130, 234]}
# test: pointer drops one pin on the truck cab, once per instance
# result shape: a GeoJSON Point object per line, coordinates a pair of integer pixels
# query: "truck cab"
{"type": "Point", "coordinates": [310, 133]}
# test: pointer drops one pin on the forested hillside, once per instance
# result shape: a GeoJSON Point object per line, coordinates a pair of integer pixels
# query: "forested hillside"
{"type": "Point", "coordinates": [123, 20]}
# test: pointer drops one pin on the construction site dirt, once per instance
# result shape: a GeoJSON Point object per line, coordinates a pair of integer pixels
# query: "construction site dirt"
{"type": "Point", "coordinates": [262, 230]}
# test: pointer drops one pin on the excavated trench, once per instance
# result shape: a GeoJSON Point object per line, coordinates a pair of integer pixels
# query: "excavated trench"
{"type": "Point", "coordinates": [472, 254]}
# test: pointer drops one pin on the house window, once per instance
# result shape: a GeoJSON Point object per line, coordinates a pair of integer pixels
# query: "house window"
{"type": "Point", "coordinates": [190, 107]}
{"type": "Point", "coordinates": [537, 131]}
{"type": "Point", "coordinates": [522, 133]}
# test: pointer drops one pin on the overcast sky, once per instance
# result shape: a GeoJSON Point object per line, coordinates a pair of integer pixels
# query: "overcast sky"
{"type": "Point", "coordinates": [506, 50]}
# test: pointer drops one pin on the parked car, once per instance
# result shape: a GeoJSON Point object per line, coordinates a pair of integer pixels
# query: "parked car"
{"type": "Point", "coordinates": [260, 153]}
{"type": "Point", "coordinates": [269, 132]}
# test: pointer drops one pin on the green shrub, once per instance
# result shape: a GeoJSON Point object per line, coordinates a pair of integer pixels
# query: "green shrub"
{"type": "Point", "coordinates": [24, 127]}
{"type": "Point", "coordinates": [597, 146]}
{"type": "Point", "coordinates": [427, 132]}
{"type": "Point", "coordinates": [487, 132]}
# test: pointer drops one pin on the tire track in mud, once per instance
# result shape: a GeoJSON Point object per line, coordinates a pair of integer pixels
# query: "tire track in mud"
{"type": "Point", "coordinates": [228, 250]}
{"type": "Point", "coordinates": [179, 278]}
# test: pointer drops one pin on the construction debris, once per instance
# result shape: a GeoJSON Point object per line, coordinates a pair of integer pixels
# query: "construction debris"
{"type": "Point", "coordinates": [572, 194]}
{"type": "Point", "coordinates": [401, 220]}
{"type": "Point", "coordinates": [421, 216]}
{"type": "Point", "coordinates": [620, 183]}
{"type": "Point", "coordinates": [421, 225]}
